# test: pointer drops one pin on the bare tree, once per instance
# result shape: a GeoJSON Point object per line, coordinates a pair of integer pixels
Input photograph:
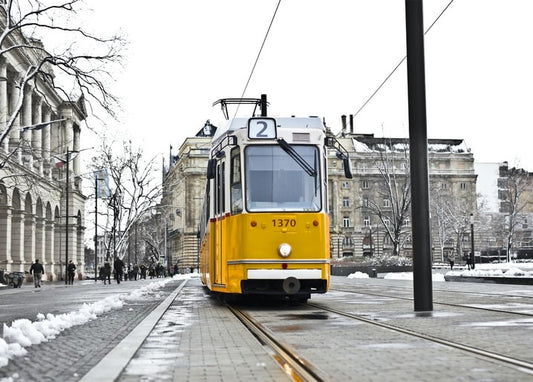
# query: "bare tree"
{"type": "Point", "coordinates": [86, 59]}
{"type": "Point", "coordinates": [393, 204]}
{"type": "Point", "coordinates": [452, 217]}
{"type": "Point", "coordinates": [135, 192]}
{"type": "Point", "coordinates": [512, 188]}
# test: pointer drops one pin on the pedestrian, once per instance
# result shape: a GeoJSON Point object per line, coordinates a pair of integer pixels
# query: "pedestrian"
{"type": "Point", "coordinates": [71, 271]}
{"type": "Point", "coordinates": [451, 259]}
{"type": "Point", "coordinates": [143, 271]}
{"type": "Point", "coordinates": [37, 270]}
{"type": "Point", "coordinates": [176, 268]}
{"type": "Point", "coordinates": [135, 271]}
{"type": "Point", "coordinates": [107, 272]}
{"type": "Point", "coordinates": [119, 269]}
{"type": "Point", "coordinates": [469, 262]}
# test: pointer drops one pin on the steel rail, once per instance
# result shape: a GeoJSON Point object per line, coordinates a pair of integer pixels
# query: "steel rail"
{"type": "Point", "coordinates": [294, 365]}
{"type": "Point", "coordinates": [456, 345]}
{"type": "Point", "coordinates": [437, 302]}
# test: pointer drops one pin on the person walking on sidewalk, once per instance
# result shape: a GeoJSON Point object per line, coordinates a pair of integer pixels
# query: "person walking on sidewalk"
{"type": "Point", "coordinates": [37, 270]}
{"type": "Point", "coordinates": [107, 272]}
{"type": "Point", "coordinates": [119, 269]}
{"type": "Point", "coordinates": [71, 271]}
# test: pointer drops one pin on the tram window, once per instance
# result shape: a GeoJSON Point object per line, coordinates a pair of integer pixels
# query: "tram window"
{"type": "Point", "coordinates": [236, 187]}
{"type": "Point", "coordinates": [223, 187]}
{"type": "Point", "coordinates": [275, 181]}
{"type": "Point", "coordinates": [219, 198]}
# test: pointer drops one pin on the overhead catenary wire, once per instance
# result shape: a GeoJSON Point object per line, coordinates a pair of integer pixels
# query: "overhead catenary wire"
{"type": "Point", "coordinates": [400, 63]}
{"type": "Point", "coordinates": [259, 54]}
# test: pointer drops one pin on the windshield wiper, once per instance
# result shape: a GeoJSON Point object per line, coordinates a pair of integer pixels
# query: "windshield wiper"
{"type": "Point", "coordinates": [297, 157]}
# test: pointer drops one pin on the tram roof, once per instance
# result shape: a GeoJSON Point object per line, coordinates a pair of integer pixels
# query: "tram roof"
{"type": "Point", "coordinates": [281, 123]}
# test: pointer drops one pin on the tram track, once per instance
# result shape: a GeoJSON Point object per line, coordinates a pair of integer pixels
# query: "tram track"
{"type": "Point", "coordinates": [506, 360]}
{"type": "Point", "coordinates": [294, 365]}
{"type": "Point", "coordinates": [438, 302]}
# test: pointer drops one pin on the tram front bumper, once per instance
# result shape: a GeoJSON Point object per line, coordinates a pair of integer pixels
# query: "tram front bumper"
{"type": "Point", "coordinates": [284, 281]}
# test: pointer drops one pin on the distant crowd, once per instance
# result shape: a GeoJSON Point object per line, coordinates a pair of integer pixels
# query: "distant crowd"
{"type": "Point", "coordinates": [121, 272]}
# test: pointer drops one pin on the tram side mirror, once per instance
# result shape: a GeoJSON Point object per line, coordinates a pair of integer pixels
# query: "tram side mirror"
{"type": "Point", "coordinates": [211, 168]}
{"type": "Point", "coordinates": [347, 168]}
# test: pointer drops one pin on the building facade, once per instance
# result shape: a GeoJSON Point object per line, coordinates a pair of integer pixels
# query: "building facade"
{"type": "Point", "coordinates": [41, 202]}
{"type": "Point", "coordinates": [181, 205]}
{"type": "Point", "coordinates": [356, 230]}
{"type": "Point", "coordinates": [368, 209]}
{"type": "Point", "coordinates": [507, 204]}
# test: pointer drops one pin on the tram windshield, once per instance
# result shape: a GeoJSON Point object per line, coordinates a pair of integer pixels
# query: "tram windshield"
{"type": "Point", "coordinates": [275, 181]}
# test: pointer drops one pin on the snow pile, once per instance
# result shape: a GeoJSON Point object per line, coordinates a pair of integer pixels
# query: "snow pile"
{"type": "Point", "coordinates": [497, 270]}
{"type": "Point", "coordinates": [395, 276]}
{"type": "Point", "coordinates": [23, 332]}
{"type": "Point", "coordinates": [409, 276]}
{"type": "Point", "coordinates": [358, 275]}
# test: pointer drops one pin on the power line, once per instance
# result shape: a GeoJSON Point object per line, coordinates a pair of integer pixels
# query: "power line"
{"type": "Point", "coordinates": [400, 63]}
{"type": "Point", "coordinates": [259, 53]}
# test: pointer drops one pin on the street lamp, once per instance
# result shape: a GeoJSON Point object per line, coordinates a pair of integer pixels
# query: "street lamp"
{"type": "Point", "coordinates": [371, 250]}
{"type": "Point", "coordinates": [473, 256]}
{"type": "Point", "coordinates": [67, 160]}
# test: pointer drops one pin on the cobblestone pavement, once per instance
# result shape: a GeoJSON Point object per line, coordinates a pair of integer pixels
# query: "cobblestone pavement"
{"type": "Point", "coordinates": [76, 350]}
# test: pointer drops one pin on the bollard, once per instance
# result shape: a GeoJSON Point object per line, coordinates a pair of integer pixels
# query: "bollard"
{"type": "Point", "coordinates": [373, 273]}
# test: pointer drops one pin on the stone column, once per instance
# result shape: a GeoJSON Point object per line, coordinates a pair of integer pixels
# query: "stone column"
{"type": "Point", "coordinates": [17, 240]}
{"type": "Point", "coordinates": [36, 136]}
{"type": "Point", "coordinates": [14, 134]}
{"type": "Point", "coordinates": [3, 101]}
{"type": "Point", "coordinates": [40, 242]}
{"type": "Point", "coordinates": [27, 121]}
{"type": "Point", "coordinates": [5, 237]}
{"type": "Point", "coordinates": [76, 147]}
{"type": "Point", "coordinates": [29, 239]}
{"type": "Point", "coordinates": [46, 113]}
{"type": "Point", "coordinates": [55, 146]}
{"type": "Point", "coordinates": [49, 249]}
{"type": "Point", "coordinates": [58, 250]}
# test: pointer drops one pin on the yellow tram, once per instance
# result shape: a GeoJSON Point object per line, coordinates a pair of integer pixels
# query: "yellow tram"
{"type": "Point", "coordinates": [265, 224]}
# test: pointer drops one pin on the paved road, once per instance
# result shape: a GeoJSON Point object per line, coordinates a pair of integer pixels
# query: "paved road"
{"type": "Point", "coordinates": [76, 350]}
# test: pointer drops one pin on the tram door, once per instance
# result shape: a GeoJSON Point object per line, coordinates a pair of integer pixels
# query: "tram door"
{"type": "Point", "coordinates": [219, 215]}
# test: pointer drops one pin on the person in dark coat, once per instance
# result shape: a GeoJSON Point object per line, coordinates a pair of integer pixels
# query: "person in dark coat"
{"type": "Point", "coordinates": [37, 270]}
{"type": "Point", "coordinates": [107, 272]}
{"type": "Point", "coordinates": [71, 271]}
{"type": "Point", "coordinates": [119, 269]}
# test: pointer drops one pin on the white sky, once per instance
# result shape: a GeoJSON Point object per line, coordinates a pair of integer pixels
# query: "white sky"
{"type": "Point", "coordinates": [326, 58]}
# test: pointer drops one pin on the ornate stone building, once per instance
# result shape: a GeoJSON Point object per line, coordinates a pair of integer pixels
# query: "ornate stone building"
{"type": "Point", "coordinates": [41, 202]}
{"type": "Point", "coordinates": [357, 230]}
{"type": "Point", "coordinates": [183, 196]}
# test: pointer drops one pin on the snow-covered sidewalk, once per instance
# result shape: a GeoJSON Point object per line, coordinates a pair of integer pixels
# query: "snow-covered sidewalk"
{"type": "Point", "coordinates": [23, 333]}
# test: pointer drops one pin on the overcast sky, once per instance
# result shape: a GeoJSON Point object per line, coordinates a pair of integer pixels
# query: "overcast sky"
{"type": "Point", "coordinates": [326, 58]}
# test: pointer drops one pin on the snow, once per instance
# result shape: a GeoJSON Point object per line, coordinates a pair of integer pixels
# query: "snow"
{"type": "Point", "coordinates": [497, 270]}
{"type": "Point", "coordinates": [23, 332]}
{"type": "Point", "coordinates": [481, 270]}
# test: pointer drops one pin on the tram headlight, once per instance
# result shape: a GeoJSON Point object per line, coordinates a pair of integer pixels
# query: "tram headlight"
{"type": "Point", "coordinates": [284, 250]}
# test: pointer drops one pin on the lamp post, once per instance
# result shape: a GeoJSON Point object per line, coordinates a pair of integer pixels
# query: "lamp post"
{"type": "Point", "coordinates": [371, 250]}
{"type": "Point", "coordinates": [473, 256]}
{"type": "Point", "coordinates": [67, 216]}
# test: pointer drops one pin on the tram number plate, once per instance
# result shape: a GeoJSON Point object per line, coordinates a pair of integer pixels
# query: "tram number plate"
{"type": "Point", "coordinates": [284, 223]}
{"type": "Point", "coordinates": [262, 128]}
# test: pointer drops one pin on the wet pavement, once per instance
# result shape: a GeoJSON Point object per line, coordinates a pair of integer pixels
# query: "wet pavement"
{"type": "Point", "coordinates": [76, 350]}
{"type": "Point", "coordinates": [195, 338]}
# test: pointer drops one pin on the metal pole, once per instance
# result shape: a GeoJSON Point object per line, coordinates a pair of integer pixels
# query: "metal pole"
{"type": "Point", "coordinates": [95, 228]}
{"type": "Point", "coordinates": [422, 282]}
{"type": "Point", "coordinates": [66, 218]}
{"type": "Point", "coordinates": [473, 258]}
